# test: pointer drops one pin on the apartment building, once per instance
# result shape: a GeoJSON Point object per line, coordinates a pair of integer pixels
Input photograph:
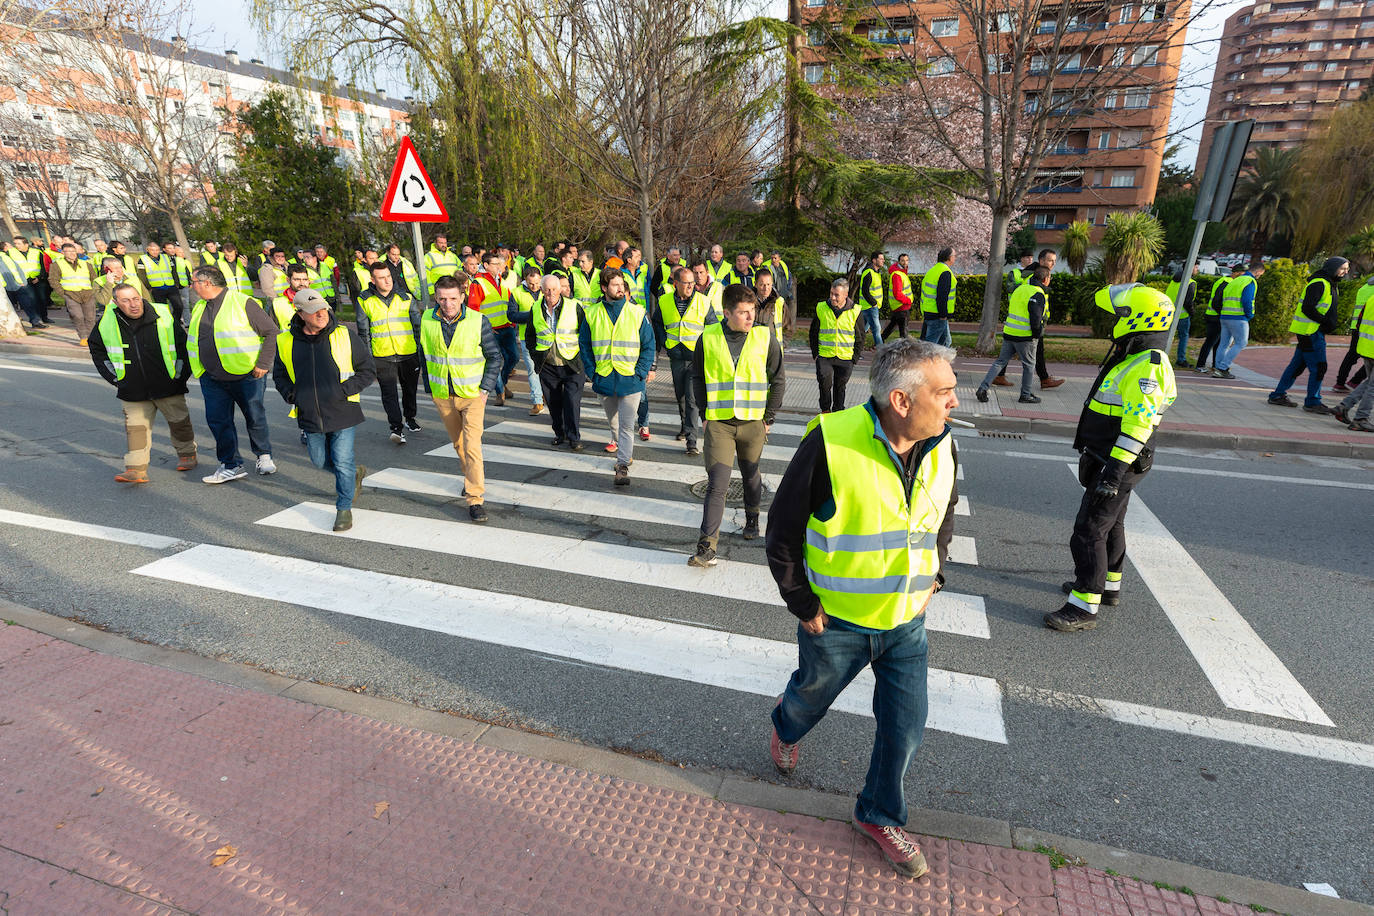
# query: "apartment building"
{"type": "Point", "coordinates": [1106, 157]}
{"type": "Point", "coordinates": [47, 177]}
{"type": "Point", "coordinates": [1288, 65]}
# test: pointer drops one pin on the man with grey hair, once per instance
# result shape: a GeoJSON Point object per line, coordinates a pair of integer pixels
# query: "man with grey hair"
{"type": "Point", "coordinates": [550, 320]}
{"type": "Point", "coordinates": [832, 345]}
{"type": "Point", "coordinates": [857, 536]}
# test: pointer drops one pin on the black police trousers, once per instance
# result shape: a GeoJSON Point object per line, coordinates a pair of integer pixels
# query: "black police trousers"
{"type": "Point", "coordinates": [1098, 543]}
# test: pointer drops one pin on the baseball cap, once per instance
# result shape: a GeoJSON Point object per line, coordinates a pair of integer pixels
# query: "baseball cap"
{"type": "Point", "coordinates": [308, 301]}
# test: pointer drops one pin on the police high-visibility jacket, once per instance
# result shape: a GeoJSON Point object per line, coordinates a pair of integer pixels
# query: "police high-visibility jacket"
{"type": "Point", "coordinates": [735, 390]}
{"type": "Point", "coordinates": [562, 333]}
{"type": "Point", "coordinates": [1231, 304]}
{"type": "Point", "coordinates": [235, 340]}
{"type": "Point", "coordinates": [340, 347]}
{"type": "Point", "coordinates": [1018, 323]}
{"type": "Point", "coordinates": [836, 335]}
{"type": "Point", "coordinates": [390, 332]}
{"type": "Point", "coordinates": [871, 290]}
{"type": "Point", "coordinates": [615, 347]}
{"type": "Point", "coordinates": [586, 288]}
{"type": "Point", "coordinates": [75, 277]}
{"type": "Point", "coordinates": [495, 302]}
{"type": "Point", "coordinates": [1123, 411]}
{"type": "Point", "coordinates": [459, 364]}
{"type": "Point", "coordinates": [108, 329]}
{"type": "Point", "coordinates": [875, 559]}
{"type": "Point", "coordinates": [1364, 333]}
{"type": "Point", "coordinates": [439, 264]}
{"type": "Point", "coordinates": [930, 285]}
{"type": "Point", "coordinates": [683, 327]}
{"type": "Point", "coordinates": [1301, 324]}
{"type": "Point", "coordinates": [158, 272]}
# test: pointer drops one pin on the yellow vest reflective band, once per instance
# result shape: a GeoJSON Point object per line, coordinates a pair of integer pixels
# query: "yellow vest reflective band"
{"type": "Point", "coordinates": [182, 269]}
{"type": "Point", "coordinates": [1136, 391]}
{"type": "Point", "coordinates": [439, 264]}
{"type": "Point", "coordinates": [1018, 323]}
{"type": "Point", "coordinates": [777, 318]}
{"type": "Point", "coordinates": [615, 347]}
{"type": "Point", "coordinates": [1020, 275]}
{"type": "Point", "coordinates": [461, 363]}
{"type": "Point", "coordinates": [931, 282]}
{"type": "Point", "coordinates": [408, 271]}
{"type": "Point", "coordinates": [236, 275]}
{"type": "Point", "coordinates": [1301, 324]}
{"type": "Point", "coordinates": [339, 347]}
{"type": "Point", "coordinates": [870, 289]}
{"type": "Point", "coordinates": [683, 328]}
{"type": "Point", "coordinates": [735, 390]}
{"type": "Point", "coordinates": [235, 340]}
{"type": "Point", "coordinates": [586, 289]}
{"type": "Point", "coordinates": [719, 272]}
{"type": "Point", "coordinates": [319, 283]}
{"type": "Point", "coordinates": [108, 281]}
{"type": "Point", "coordinates": [836, 336]}
{"type": "Point", "coordinates": [1364, 334]}
{"type": "Point", "coordinates": [159, 272]}
{"type": "Point", "coordinates": [108, 329]}
{"type": "Point", "coordinates": [75, 277]}
{"type": "Point", "coordinates": [328, 265]}
{"type": "Point", "coordinates": [1362, 296]}
{"type": "Point", "coordinates": [1231, 306]}
{"type": "Point", "coordinates": [634, 284]}
{"type": "Point", "coordinates": [391, 332]}
{"type": "Point", "coordinates": [495, 302]}
{"type": "Point", "coordinates": [563, 332]}
{"type": "Point", "coordinates": [31, 261]}
{"type": "Point", "coordinates": [282, 311]}
{"type": "Point", "coordinates": [280, 284]}
{"type": "Point", "coordinates": [874, 561]}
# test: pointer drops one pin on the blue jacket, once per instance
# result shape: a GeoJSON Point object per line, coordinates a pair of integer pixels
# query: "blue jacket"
{"type": "Point", "coordinates": [1247, 300]}
{"type": "Point", "coordinates": [616, 385]}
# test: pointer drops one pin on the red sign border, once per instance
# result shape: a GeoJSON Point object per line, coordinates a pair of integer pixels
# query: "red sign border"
{"type": "Point", "coordinates": [391, 216]}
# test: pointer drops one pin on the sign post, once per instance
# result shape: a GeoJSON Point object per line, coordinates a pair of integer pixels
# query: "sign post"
{"type": "Point", "coordinates": [411, 197]}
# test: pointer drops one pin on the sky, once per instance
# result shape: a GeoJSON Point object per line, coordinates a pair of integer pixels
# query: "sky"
{"type": "Point", "coordinates": [227, 25]}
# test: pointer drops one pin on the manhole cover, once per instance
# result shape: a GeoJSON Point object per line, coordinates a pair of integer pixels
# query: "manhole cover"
{"type": "Point", "coordinates": [996, 434]}
{"type": "Point", "coordinates": [733, 494]}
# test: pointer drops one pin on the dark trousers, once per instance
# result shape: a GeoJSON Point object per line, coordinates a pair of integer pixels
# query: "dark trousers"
{"type": "Point", "coordinates": [832, 375]}
{"type": "Point", "coordinates": [1098, 543]}
{"type": "Point", "coordinates": [220, 400]}
{"type": "Point", "coordinates": [687, 410]}
{"type": "Point", "coordinates": [726, 443]}
{"type": "Point", "coordinates": [166, 295]}
{"type": "Point", "coordinates": [563, 396]}
{"type": "Point", "coordinates": [23, 302]}
{"type": "Point", "coordinates": [1310, 355]}
{"type": "Point", "coordinates": [404, 373]}
{"type": "Point", "coordinates": [42, 297]}
{"type": "Point", "coordinates": [1209, 342]}
{"type": "Point", "coordinates": [507, 338]}
{"type": "Point", "coordinates": [1041, 370]}
{"type": "Point", "coordinates": [176, 298]}
{"type": "Point", "coordinates": [1351, 358]}
{"type": "Point", "coordinates": [898, 321]}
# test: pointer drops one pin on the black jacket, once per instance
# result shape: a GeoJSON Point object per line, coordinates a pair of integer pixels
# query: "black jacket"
{"type": "Point", "coordinates": [321, 400]}
{"type": "Point", "coordinates": [145, 372]}
{"type": "Point", "coordinates": [1312, 296]}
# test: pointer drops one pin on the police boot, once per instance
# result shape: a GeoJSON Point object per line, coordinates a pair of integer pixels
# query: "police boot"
{"type": "Point", "coordinates": [751, 525]}
{"type": "Point", "coordinates": [1069, 618]}
{"type": "Point", "coordinates": [1109, 599]}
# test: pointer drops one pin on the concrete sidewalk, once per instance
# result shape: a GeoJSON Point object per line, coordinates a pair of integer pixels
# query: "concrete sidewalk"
{"type": "Point", "coordinates": [140, 779]}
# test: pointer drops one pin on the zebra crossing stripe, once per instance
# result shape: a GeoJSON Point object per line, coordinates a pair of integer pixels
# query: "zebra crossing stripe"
{"type": "Point", "coordinates": [531, 428]}
{"type": "Point", "coordinates": [600, 464]}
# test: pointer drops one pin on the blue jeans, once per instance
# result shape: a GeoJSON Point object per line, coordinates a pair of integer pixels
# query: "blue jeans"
{"type": "Point", "coordinates": [869, 318]}
{"type": "Point", "coordinates": [334, 452]}
{"type": "Point", "coordinates": [536, 389]}
{"type": "Point", "coordinates": [220, 400]}
{"type": "Point", "coordinates": [1309, 354]}
{"type": "Point", "coordinates": [936, 330]}
{"type": "Point", "coordinates": [1185, 325]}
{"type": "Point", "coordinates": [1235, 333]}
{"type": "Point", "coordinates": [642, 415]}
{"type": "Point", "coordinates": [827, 663]}
{"type": "Point", "coordinates": [25, 298]}
{"type": "Point", "coordinates": [508, 339]}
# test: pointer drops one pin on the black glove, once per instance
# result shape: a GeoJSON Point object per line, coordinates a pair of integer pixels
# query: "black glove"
{"type": "Point", "coordinates": [1108, 483]}
{"type": "Point", "coordinates": [1105, 490]}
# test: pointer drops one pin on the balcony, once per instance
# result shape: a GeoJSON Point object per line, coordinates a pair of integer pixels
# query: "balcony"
{"type": "Point", "coordinates": [1067, 151]}
{"type": "Point", "coordinates": [1049, 227]}
{"type": "Point", "coordinates": [1055, 189]}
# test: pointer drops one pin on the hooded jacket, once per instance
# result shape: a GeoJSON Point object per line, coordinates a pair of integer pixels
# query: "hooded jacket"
{"type": "Point", "coordinates": [1312, 296]}
{"type": "Point", "coordinates": [320, 398]}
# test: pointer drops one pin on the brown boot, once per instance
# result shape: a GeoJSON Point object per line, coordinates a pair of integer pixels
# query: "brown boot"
{"type": "Point", "coordinates": [1051, 382]}
{"type": "Point", "coordinates": [132, 475]}
{"type": "Point", "coordinates": [1001, 381]}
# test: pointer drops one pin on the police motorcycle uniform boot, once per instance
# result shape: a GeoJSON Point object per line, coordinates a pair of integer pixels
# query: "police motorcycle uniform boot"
{"type": "Point", "coordinates": [1070, 618]}
{"type": "Point", "coordinates": [1109, 599]}
{"type": "Point", "coordinates": [751, 526]}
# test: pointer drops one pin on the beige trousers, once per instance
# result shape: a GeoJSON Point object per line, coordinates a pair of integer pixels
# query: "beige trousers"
{"type": "Point", "coordinates": [138, 425]}
{"type": "Point", "coordinates": [463, 419]}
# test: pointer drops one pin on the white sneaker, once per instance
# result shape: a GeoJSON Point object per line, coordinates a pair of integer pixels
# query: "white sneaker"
{"type": "Point", "coordinates": [224, 475]}
{"type": "Point", "coordinates": [266, 465]}
{"type": "Point", "coordinates": [398, 437]}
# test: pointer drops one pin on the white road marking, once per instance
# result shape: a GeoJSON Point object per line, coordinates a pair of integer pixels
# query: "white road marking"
{"type": "Point", "coordinates": [962, 507]}
{"type": "Point", "coordinates": [544, 431]}
{"type": "Point", "coordinates": [77, 373]}
{"type": "Point", "coordinates": [1334, 750]}
{"type": "Point", "coordinates": [85, 530]}
{"type": "Point", "coordinates": [962, 549]}
{"type": "Point", "coordinates": [1323, 888]}
{"type": "Point", "coordinates": [731, 580]}
{"type": "Point", "coordinates": [961, 704]}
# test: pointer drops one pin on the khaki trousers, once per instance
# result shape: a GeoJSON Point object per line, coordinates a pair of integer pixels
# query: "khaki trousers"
{"type": "Point", "coordinates": [463, 419]}
{"type": "Point", "coordinates": [81, 308]}
{"type": "Point", "coordinates": [138, 426]}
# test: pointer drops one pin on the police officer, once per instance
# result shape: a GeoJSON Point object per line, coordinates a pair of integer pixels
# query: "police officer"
{"type": "Point", "coordinates": [1315, 318]}
{"type": "Point", "coordinates": [389, 323]}
{"type": "Point", "coordinates": [1128, 399]}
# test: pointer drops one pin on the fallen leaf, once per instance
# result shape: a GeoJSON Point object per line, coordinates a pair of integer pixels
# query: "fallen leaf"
{"type": "Point", "coordinates": [379, 809]}
{"type": "Point", "coordinates": [60, 826]}
{"type": "Point", "coordinates": [97, 792]}
{"type": "Point", "coordinates": [1267, 455]}
{"type": "Point", "coordinates": [222, 855]}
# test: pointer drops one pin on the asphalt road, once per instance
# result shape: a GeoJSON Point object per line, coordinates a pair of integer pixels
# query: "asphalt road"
{"type": "Point", "coordinates": [1179, 774]}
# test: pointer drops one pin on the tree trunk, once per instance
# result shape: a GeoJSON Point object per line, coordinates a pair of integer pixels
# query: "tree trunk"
{"type": "Point", "coordinates": [11, 227]}
{"type": "Point", "coordinates": [992, 291]}
{"type": "Point", "coordinates": [791, 155]}
{"type": "Point", "coordinates": [646, 231]}
{"type": "Point", "coordinates": [179, 231]}
{"type": "Point", "coordinates": [9, 321]}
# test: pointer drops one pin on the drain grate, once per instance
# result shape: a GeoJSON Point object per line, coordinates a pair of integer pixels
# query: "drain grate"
{"type": "Point", "coordinates": [998, 434]}
{"type": "Point", "coordinates": [734, 494]}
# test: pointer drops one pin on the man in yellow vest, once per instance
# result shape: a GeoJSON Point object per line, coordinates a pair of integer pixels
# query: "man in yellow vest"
{"type": "Point", "coordinates": [321, 369]}
{"type": "Point", "coordinates": [586, 278]}
{"type": "Point", "coordinates": [1315, 318]}
{"type": "Point", "coordinates": [141, 350]}
{"type": "Point", "coordinates": [440, 261]}
{"type": "Point", "coordinates": [1237, 311]}
{"type": "Point", "coordinates": [231, 344]}
{"type": "Point", "coordinates": [234, 266]}
{"type": "Point", "coordinates": [282, 308]}
{"type": "Point", "coordinates": [550, 319]}
{"type": "Point", "coordinates": [679, 317]}
{"type": "Point", "coordinates": [76, 279]}
{"type": "Point", "coordinates": [899, 279]}
{"type": "Point", "coordinates": [937, 298]}
{"type": "Point", "coordinates": [462, 365]}
{"type": "Point", "coordinates": [209, 254]}
{"type": "Point", "coordinates": [273, 279]}
{"type": "Point", "coordinates": [389, 323]}
{"type": "Point", "coordinates": [1021, 333]}
{"type": "Point", "coordinates": [155, 271]}
{"type": "Point", "coordinates": [1361, 400]}
{"type": "Point", "coordinates": [14, 272]}
{"type": "Point", "coordinates": [770, 310]}
{"type": "Point", "coordinates": [619, 351]}
{"type": "Point", "coordinates": [738, 384]}
{"type": "Point", "coordinates": [329, 269]}
{"type": "Point", "coordinates": [834, 345]}
{"type": "Point", "coordinates": [782, 282]}
{"type": "Point", "coordinates": [871, 298]}
{"type": "Point", "coordinates": [857, 536]}
{"type": "Point", "coordinates": [318, 278]}
{"type": "Point", "coordinates": [112, 274]}
{"type": "Point", "coordinates": [1363, 297]}
{"type": "Point", "coordinates": [717, 266]}
{"type": "Point", "coordinates": [181, 276]}
{"type": "Point", "coordinates": [30, 260]}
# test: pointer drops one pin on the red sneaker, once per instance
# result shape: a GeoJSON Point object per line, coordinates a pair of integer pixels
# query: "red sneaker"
{"type": "Point", "coordinates": [904, 855]}
{"type": "Point", "coordinates": [784, 755]}
{"type": "Point", "coordinates": [644, 433]}
{"type": "Point", "coordinates": [612, 447]}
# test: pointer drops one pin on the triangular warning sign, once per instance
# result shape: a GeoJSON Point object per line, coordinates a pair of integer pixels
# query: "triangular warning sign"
{"type": "Point", "coordinates": [410, 195]}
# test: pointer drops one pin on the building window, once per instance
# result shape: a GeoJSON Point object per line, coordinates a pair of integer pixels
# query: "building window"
{"type": "Point", "coordinates": [944, 28]}
{"type": "Point", "coordinates": [1235, 59]}
{"type": "Point", "coordinates": [1229, 95]}
{"type": "Point", "coordinates": [1037, 63]}
{"type": "Point", "coordinates": [815, 2]}
{"type": "Point", "coordinates": [1353, 84]}
{"type": "Point", "coordinates": [1321, 26]}
{"type": "Point", "coordinates": [1145, 56]}
{"type": "Point", "coordinates": [1044, 219]}
{"type": "Point", "coordinates": [1123, 178]}
{"type": "Point", "coordinates": [1311, 65]}
{"type": "Point", "coordinates": [940, 66]}
{"type": "Point", "coordinates": [1152, 12]}
{"type": "Point", "coordinates": [1126, 12]}
{"type": "Point", "coordinates": [1090, 215]}
{"type": "Point", "coordinates": [1316, 45]}
{"type": "Point", "coordinates": [1104, 140]}
{"type": "Point", "coordinates": [1128, 139]}
{"type": "Point", "coordinates": [1032, 104]}
{"type": "Point", "coordinates": [815, 36]}
{"type": "Point", "coordinates": [1277, 70]}
{"type": "Point", "coordinates": [815, 73]}
{"type": "Point", "coordinates": [1003, 22]}
{"type": "Point", "coordinates": [1137, 98]}
{"type": "Point", "coordinates": [1333, 65]}
{"type": "Point", "coordinates": [1276, 90]}
{"type": "Point", "coordinates": [1097, 178]}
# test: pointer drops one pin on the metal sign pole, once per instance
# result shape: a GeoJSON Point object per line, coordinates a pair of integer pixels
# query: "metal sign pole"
{"type": "Point", "coordinates": [419, 265]}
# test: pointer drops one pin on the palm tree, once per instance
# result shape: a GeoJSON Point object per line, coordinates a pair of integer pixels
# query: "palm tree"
{"type": "Point", "coordinates": [1075, 245]}
{"type": "Point", "coordinates": [1131, 245]}
{"type": "Point", "coordinates": [1360, 247]}
{"type": "Point", "coordinates": [1265, 201]}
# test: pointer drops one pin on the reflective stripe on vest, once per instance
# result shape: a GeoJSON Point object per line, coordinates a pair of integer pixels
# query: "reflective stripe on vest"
{"type": "Point", "coordinates": [390, 329]}
{"type": "Point", "coordinates": [182, 270]}
{"type": "Point", "coordinates": [1362, 296]}
{"type": "Point", "coordinates": [635, 284]}
{"type": "Point", "coordinates": [564, 331]}
{"type": "Point", "coordinates": [320, 283]}
{"type": "Point", "coordinates": [683, 328]}
{"type": "Point", "coordinates": [159, 272]}
{"type": "Point", "coordinates": [439, 264]}
{"type": "Point", "coordinates": [495, 303]}
{"type": "Point", "coordinates": [31, 260]}
{"type": "Point", "coordinates": [874, 561]}
{"type": "Point", "coordinates": [1231, 306]}
{"type": "Point", "coordinates": [871, 288]}
{"type": "Point", "coordinates": [1301, 324]}
{"type": "Point", "coordinates": [586, 289]}
{"type": "Point", "coordinates": [1018, 323]}
{"type": "Point", "coordinates": [108, 329]}
{"type": "Point", "coordinates": [836, 336]}
{"type": "Point", "coordinates": [1364, 334]}
{"type": "Point", "coordinates": [340, 348]}
{"type": "Point", "coordinates": [460, 363]}
{"type": "Point", "coordinates": [75, 277]}
{"type": "Point", "coordinates": [930, 284]}
{"type": "Point", "coordinates": [235, 340]}
{"type": "Point", "coordinates": [735, 390]}
{"type": "Point", "coordinates": [615, 347]}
